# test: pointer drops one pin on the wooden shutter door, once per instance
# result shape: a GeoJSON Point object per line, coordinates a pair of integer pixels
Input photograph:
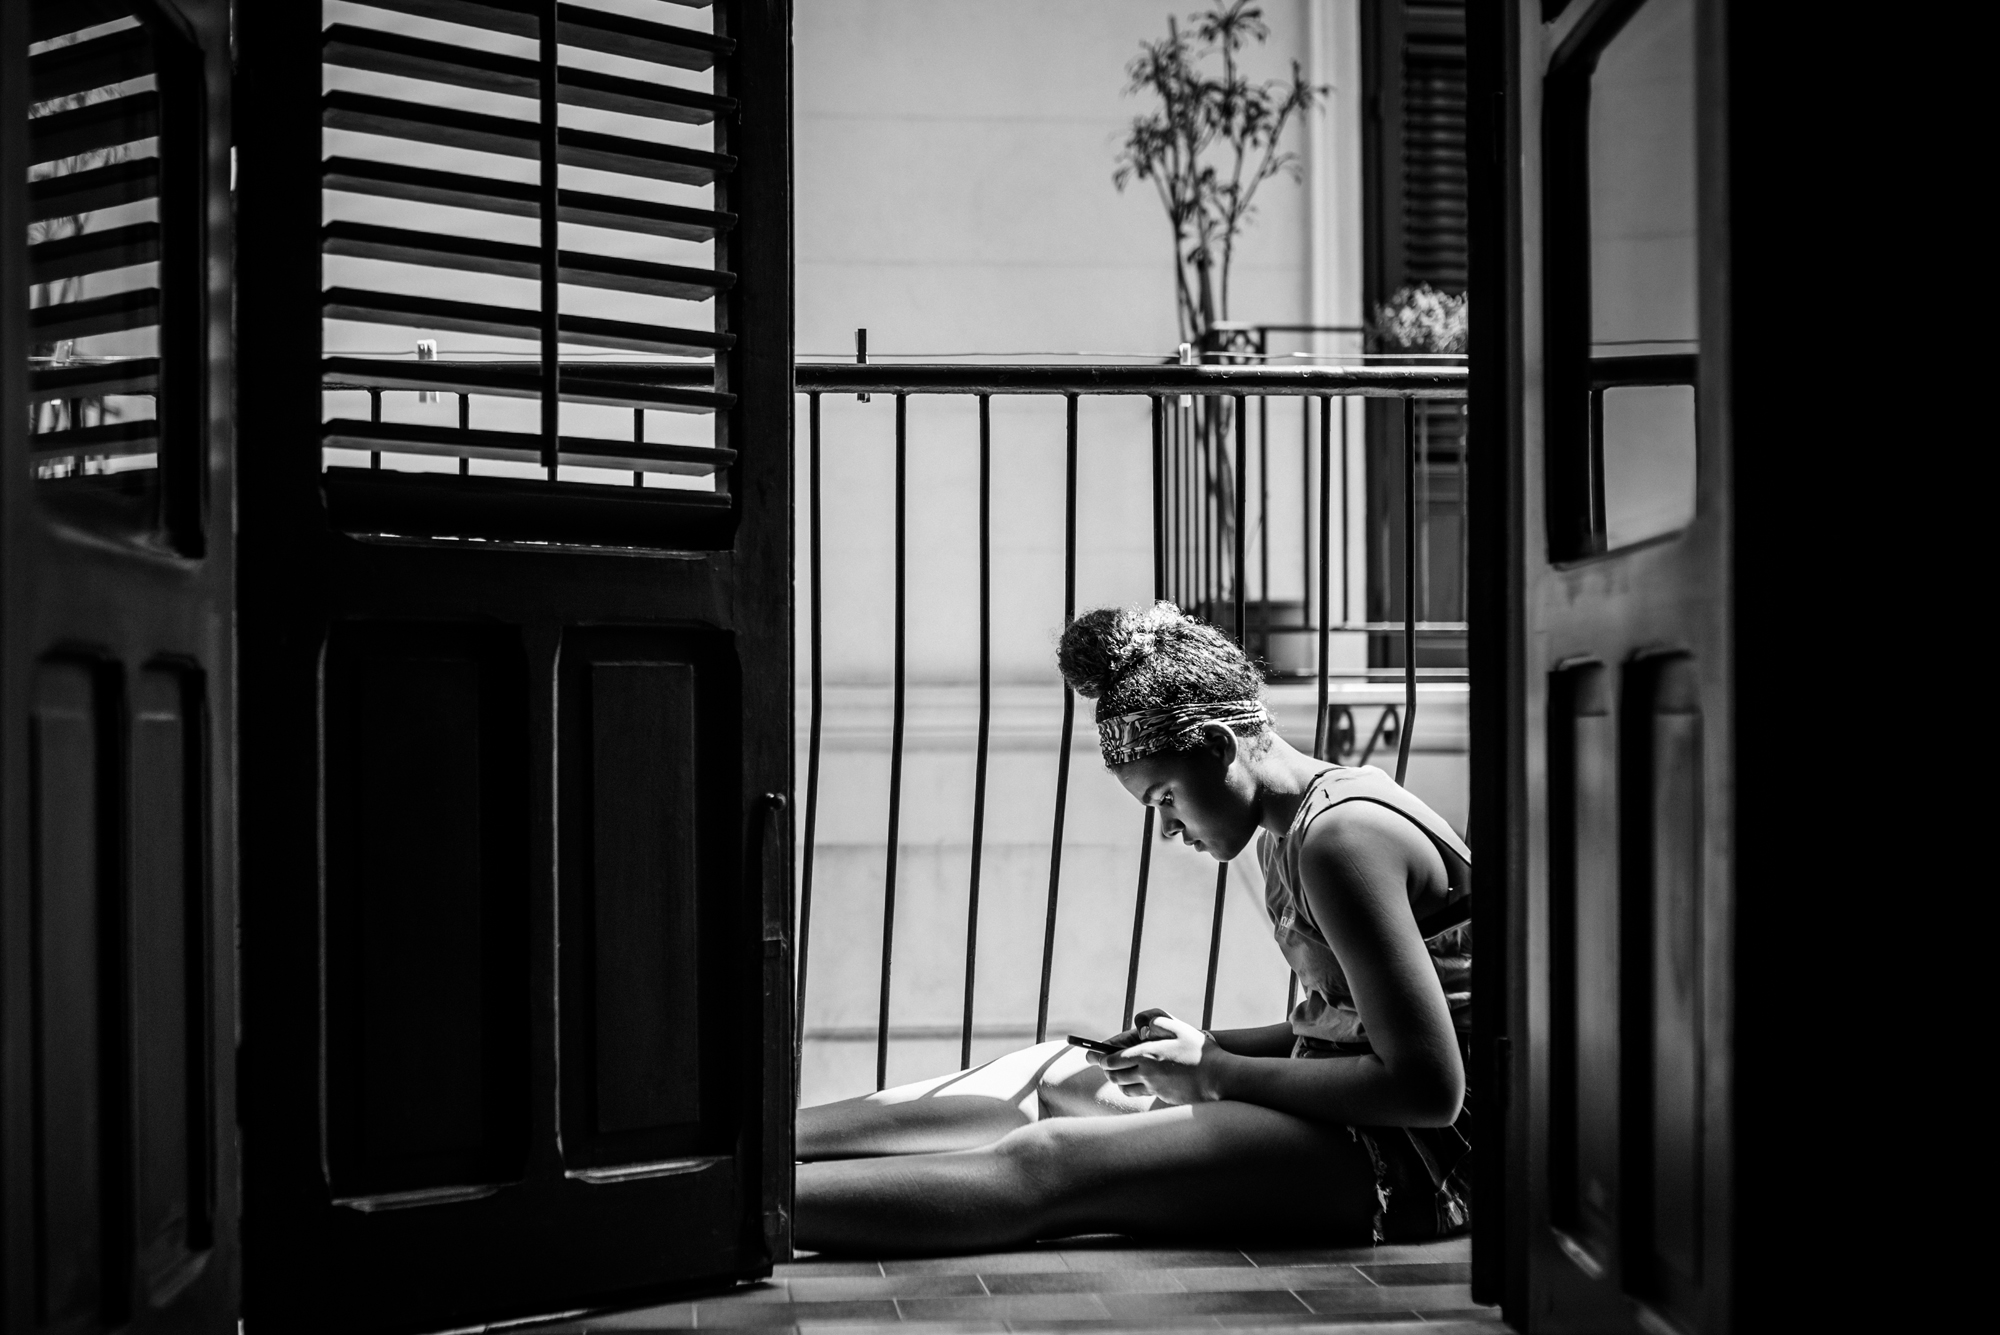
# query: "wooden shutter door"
{"type": "Point", "coordinates": [516, 655]}
{"type": "Point", "coordinates": [118, 1207]}
{"type": "Point", "coordinates": [1620, 670]}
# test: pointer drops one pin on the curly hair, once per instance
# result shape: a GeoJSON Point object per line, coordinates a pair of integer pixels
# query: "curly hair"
{"type": "Point", "coordinates": [1154, 654]}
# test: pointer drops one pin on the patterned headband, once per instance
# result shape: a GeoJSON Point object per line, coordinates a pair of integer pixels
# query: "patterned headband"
{"type": "Point", "coordinates": [1124, 738]}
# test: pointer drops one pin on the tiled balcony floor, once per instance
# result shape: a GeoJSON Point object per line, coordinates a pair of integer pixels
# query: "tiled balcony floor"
{"type": "Point", "coordinates": [1097, 1285]}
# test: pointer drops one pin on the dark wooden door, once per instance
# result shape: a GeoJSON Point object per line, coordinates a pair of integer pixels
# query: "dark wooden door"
{"type": "Point", "coordinates": [1623, 681]}
{"type": "Point", "coordinates": [516, 657]}
{"type": "Point", "coordinates": [118, 1207]}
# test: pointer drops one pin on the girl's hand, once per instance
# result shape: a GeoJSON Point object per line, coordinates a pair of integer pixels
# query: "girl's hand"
{"type": "Point", "coordinates": [1169, 1059]}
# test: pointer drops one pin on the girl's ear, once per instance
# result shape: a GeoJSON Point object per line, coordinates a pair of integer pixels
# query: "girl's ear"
{"type": "Point", "coordinates": [1220, 742]}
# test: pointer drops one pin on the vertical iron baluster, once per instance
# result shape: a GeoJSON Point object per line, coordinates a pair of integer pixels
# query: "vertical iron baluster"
{"type": "Point", "coordinates": [1194, 503]}
{"type": "Point", "coordinates": [550, 244]}
{"type": "Point", "coordinates": [1184, 506]}
{"type": "Point", "coordinates": [1423, 511]}
{"type": "Point", "coordinates": [1211, 511]}
{"type": "Point", "coordinates": [1345, 613]}
{"type": "Point", "coordinates": [1068, 723]}
{"type": "Point", "coordinates": [1239, 554]}
{"type": "Point", "coordinates": [1239, 581]}
{"type": "Point", "coordinates": [1409, 588]}
{"type": "Point", "coordinates": [1138, 916]}
{"type": "Point", "coordinates": [1169, 539]}
{"type": "Point", "coordinates": [804, 938]}
{"type": "Point", "coordinates": [985, 718]}
{"type": "Point", "coordinates": [374, 415]}
{"type": "Point", "coordinates": [1305, 511]}
{"type": "Point", "coordinates": [1183, 503]}
{"type": "Point", "coordinates": [464, 424]}
{"type": "Point", "coordinates": [1146, 825]}
{"type": "Point", "coordinates": [1159, 551]}
{"type": "Point", "coordinates": [895, 752]}
{"type": "Point", "coordinates": [1264, 526]}
{"type": "Point", "coordinates": [1214, 945]}
{"type": "Point", "coordinates": [1325, 563]}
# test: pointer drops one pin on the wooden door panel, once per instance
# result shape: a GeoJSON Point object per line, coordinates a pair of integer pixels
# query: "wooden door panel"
{"type": "Point", "coordinates": [1666, 851]}
{"type": "Point", "coordinates": [1584, 955]}
{"type": "Point", "coordinates": [649, 754]}
{"type": "Point", "coordinates": [173, 1192]}
{"type": "Point", "coordinates": [426, 910]}
{"type": "Point", "coordinates": [76, 943]}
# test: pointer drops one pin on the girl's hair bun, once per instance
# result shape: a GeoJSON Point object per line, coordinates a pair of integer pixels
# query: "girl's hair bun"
{"type": "Point", "coordinates": [1153, 654]}
{"type": "Point", "coordinates": [1104, 644]}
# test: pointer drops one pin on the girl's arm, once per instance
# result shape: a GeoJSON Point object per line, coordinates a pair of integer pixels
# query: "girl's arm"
{"type": "Point", "coordinates": [1359, 864]}
{"type": "Point", "coordinates": [1266, 1040]}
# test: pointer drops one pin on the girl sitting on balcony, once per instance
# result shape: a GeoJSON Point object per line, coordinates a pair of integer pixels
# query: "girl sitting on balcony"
{"type": "Point", "coordinates": [1186, 1133]}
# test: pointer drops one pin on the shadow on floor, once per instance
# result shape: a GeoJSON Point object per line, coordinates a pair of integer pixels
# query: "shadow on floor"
{"type": "Point", "coordinates": [1094, 1284]}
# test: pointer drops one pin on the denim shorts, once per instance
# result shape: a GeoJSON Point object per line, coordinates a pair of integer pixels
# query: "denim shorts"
{"type": "Point", "coordinates": [1423, 1174]}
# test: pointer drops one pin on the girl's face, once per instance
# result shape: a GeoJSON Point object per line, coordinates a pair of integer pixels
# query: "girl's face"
{"type": "Point", "coordinates": [1205, 795]}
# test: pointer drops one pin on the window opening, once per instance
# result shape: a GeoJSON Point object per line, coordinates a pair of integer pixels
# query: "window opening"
{"type": "Point", "coordinates": [114, 269]}
{"type": "Point", "coordinates": [522, 263]}
{"type": "Point", "coordinates": [1623, 270]}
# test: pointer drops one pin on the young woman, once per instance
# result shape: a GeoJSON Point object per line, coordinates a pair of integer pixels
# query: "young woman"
{"type": "Point", "coordinates": [1346, 1122]}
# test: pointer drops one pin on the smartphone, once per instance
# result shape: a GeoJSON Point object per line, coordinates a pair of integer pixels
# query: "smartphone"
{"type": "Point", "coordinates": [1094, 1044]}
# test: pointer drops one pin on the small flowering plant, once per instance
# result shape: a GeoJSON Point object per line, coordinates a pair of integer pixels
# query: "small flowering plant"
{"type": "Point", "coordinates": [1420, 319]}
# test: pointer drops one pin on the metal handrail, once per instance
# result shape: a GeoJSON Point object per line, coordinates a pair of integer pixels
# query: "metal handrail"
{"type": "Point", "coordinates": [1388, 382]}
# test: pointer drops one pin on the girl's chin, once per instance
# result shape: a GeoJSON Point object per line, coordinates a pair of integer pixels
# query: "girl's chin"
{"type": "Point", "coordinates": [1216, 850]}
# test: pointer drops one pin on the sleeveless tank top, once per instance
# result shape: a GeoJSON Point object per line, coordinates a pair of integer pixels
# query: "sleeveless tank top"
{"type": "Point", "coordinates": [1327, 1012]}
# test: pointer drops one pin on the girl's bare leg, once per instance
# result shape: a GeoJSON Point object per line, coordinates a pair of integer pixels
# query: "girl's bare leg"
{"type": "Point", "coordinates": [1216, 1169]}
{"type": "Point", "coordinates": [963, 1110]}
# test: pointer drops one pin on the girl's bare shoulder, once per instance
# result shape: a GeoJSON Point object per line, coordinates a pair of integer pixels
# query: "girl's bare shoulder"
{"type": "Point", "coordinates": [1361, 836]}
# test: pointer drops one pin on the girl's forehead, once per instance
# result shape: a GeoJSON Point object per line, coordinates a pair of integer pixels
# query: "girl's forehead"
{"type": "Point", "coordinates": [1146, 776]}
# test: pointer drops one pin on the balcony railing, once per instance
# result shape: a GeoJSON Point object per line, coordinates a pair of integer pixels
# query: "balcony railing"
{"type": "Point", "coordinates": [1202, 437]}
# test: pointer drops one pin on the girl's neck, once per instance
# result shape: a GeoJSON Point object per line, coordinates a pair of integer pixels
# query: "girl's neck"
{"type": "Point", "coordinates": [1283, 774]}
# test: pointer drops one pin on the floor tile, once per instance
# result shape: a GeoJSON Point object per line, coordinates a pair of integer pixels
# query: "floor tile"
{"type": "Point", "coordinates": [835, 1266]}
{"type": "Point", "coordinates": [849, 1287]}
{"type": "Point", "coordinates": [1212, 1279]}
{"type": "Point", "coordinates": [778, 1291]}
{"type": "Point", "coordinates": [1405, 1298]}
{"type": "Point", "coordinates": [1312, 1323]}
{"type": "Point", "coordinates": [1420, 1272]}
{"type": "Point", "coordinates": [908, 1328]}
{"type": "Point", "coordinates": [1451, 1249]}
{"type": "Point", "coordinates": [1087, 1281]}
{"type": "Point", "coordinates": [1118, 1325]}
{"type": "Point", "coordinates": [988, 1263]}
{"type": "Point", "coordinates": [880, 1310]}
{"type": "Point", "coordinates": [1489, 1315]}
{"type": "Point", "coordinates": [1152, 1258]}
{"type": "Point", "coordinates": [1009, 1307]}
{"type": "Point", "coordinates": [1148, 1306]}
{"type": "Point", "coordinates": [673, 1316]}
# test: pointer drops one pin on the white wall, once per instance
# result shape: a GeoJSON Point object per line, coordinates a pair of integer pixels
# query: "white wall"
{"type": "Point", "coordinates": [954, 197]}
{"type": "Point", "coordinates": [954, 164]}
